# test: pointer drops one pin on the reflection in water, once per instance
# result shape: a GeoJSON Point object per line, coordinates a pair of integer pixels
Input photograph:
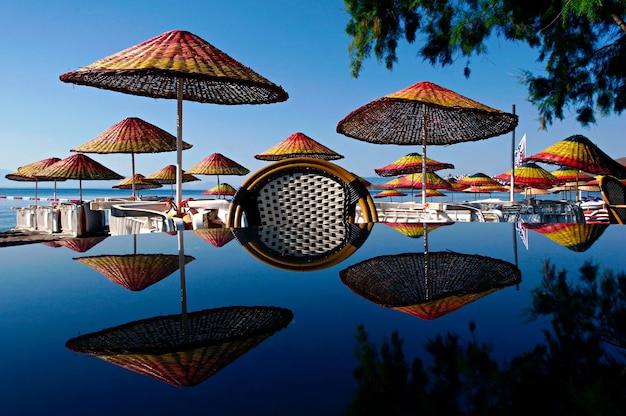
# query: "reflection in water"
{"type": "Point", "coordinates": [184, 352]}
{"type": "Point", "coordinates": [134, 271]}
{"type": "Point", "coordinates": [429, 285]}
{"type": "Point", "coordinates": [303, 247]}
{"type": "Point", "coordinates": [576, 237]}
{"type": "Point", "coordinates": [183, 349]}
{"type": "Point", "coordinates": [79, 244]}
{"type": "Point", "coordinates": [578, 370]}
{"type": "Point", "coordinates": [217, 237]}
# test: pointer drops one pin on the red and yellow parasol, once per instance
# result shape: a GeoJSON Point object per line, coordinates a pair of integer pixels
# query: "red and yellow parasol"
{"type": "Point", "coordinates": [298, 145]}
{"type": "Point", "coordinates": [178, 65]}
{"type": "Point", "coordinates": [426, 114]}
{"type": "Point", "coordinates": [218, 164]}
{"type": "Point", "coordinates": [411, 163]}
{"type": "Point", "coordinates": [222, 189]}
{"type": "Point", "coordinates": [81, 167]}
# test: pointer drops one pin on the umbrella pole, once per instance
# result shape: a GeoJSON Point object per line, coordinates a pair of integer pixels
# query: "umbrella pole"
{"type": "Point", "coordinates": [80, 189]}
{"type": "Point", "coordinates": [424, 160]}
{"type": "Point", "coordinates": [132, 156]}
{"type": "Point", "coordinates": [36, 200]}
{"type": "Point", "coordinates": [183, 284]}
{"type": "Point", "coordinates": [179, 143]}
{"type": "Point", "coordinates": [512, 191]}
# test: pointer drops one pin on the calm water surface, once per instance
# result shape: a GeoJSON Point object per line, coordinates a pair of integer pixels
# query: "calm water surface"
{"type": "Point", "coordinates": [48, 296]}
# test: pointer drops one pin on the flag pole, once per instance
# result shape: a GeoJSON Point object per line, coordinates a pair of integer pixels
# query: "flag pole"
{"type": "Point", "coordinates": [512, 182]}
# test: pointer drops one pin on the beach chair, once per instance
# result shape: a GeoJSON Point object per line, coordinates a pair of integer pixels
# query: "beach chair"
{"type": "Point", "coordinates": [301, 191]}
{"type": "Point", "coordinates": [614, 195]}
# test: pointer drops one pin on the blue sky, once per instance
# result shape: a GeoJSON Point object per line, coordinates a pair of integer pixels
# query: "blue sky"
{"type": "Point", "coordinates": [299, 45]}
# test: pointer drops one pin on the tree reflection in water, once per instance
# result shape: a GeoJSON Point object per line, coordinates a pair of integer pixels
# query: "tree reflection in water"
{"type": "Point", "coordinates": [579, 370]}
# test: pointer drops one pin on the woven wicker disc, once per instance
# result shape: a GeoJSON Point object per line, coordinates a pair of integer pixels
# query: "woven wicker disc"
{"type": "Point", "coordinates": [152, 68]}
{"type": "Point", "coordinates": [412, 279]}
{"type": "Point", "coordinates": [162, 349]}
{"type": "Point", "coordinates": [425, 113]}
{"type": "Point", "coordinates": [135, 272]}
{"type": "Point", "coordinates": [131, 135]}
{"type": "Point", "coordinates": [298, 145]}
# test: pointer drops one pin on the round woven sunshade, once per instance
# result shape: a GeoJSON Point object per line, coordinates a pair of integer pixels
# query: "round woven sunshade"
{"type": "Point", "coordinates": [411, 163]}
{"type": "Point", "coordinates": [569, 175]}
{"type": "Point", "coordinates": [131, 135]}
{"type": "Point", "coordinates": [414, 181]}
{"type": "Point", "coordinates": [298, 145]}
{"type": "Point", "coordinates": [152, 68]}
{"type": "Point", "coordinates": [531, 175]}
{"type": "Point", "coordinates": [140, 182]}
{"type": "Point", "coordinates": [27, 173]}
{"type": "Point", "coordinates": [389, 193]}
{"type": "Point", "coordinates": [578, 152]}
{"type": "Point", "coordinates": [221, 189]}
{"type": "Point", "coordinates": [78, 166]}
{"type": "Point", "coordinates": [478, 179]}
{"type": "Point", "coordinates": [453, 280]}
{"type": "Point", "coordinates": [425, 113]}
{"type": "Point", "coordinates": [167, 175]}
{"type": "Point", "coordinates": [135, 272]}
{"type": "Point", "coordinates": [576, 237]}
{"type": "Point", "coordinates": [162, 349]}
{"type": "Point", "coordinates": [218, 164]}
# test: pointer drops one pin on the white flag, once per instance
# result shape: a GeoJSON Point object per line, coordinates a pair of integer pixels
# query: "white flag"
{"type": "Point", "coordinates": [522, 232]}
{"type": "Point", "coordinates": [520, 151]}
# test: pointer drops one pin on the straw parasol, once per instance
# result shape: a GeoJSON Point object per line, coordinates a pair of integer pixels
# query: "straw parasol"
{"type": "Point", "coordinates": [218, 164]}
{"type": "Point", "coordinates": [429, 285]}
{"type": "Point", "coordinates": [388, 193]}
{"type": "Point", "coordinates": [298, 145]}
{"type": "Point", "coordinates": [530, 175]}
{"type": "Point", "coordinates": [222, 189]}
{"type": "Point", "coordinates": [426, 114]}
{"type": "Point", "coordinates": [178, 65]}
{"type": "Point", "coordinates": [167, 175]}
{"type": "Point", "coordinates": [131, 135]}
{"type": "Point", "coordinates": [411, 163]}
{"type": "Point", "coordinates": [81, 167]}
{"type": "Point", "coordinates": [580, 153]}
{"type": "Point", "coordinates": [137, 181]}
{"type": "Point", "coordinates": [27, 173]}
